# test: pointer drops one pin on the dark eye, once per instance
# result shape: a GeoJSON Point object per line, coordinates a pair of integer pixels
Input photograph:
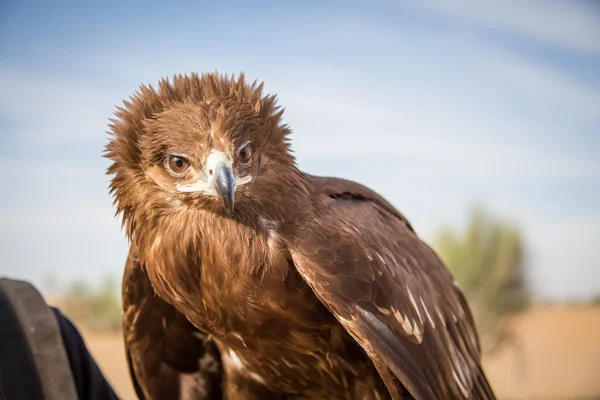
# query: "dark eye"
{"type": "Point", "coordinates": [245, 154]}
{"type": "Point", "coordinates": [178, 165]}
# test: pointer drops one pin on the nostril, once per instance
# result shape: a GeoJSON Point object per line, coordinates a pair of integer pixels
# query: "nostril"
{"type": "Point", "coordinates": [210, 171]}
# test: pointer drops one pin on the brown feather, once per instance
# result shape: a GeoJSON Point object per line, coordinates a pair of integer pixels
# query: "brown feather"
{"type": "Point", "coordinates": [314, 288]}
{"type": "Point", "coordinates": [168, 357]}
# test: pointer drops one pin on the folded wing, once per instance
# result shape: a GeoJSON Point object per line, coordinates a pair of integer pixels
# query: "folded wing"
{"type": "Point", "coordinates": [392, 293]}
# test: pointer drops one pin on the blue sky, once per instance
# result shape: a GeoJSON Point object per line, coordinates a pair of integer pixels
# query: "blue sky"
{"type": "Point", "coordinates": [462, 104]}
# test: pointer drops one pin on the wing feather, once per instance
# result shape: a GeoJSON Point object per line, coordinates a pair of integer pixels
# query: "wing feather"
{"type": "Point", "coordinates": [391, 292]}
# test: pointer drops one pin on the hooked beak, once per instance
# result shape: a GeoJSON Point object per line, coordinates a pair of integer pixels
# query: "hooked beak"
{"type": "Point", "coordinates": [223, 184]}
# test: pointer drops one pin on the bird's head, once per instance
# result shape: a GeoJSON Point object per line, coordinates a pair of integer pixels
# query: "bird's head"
{"type": "Point", "coordinates": [199, 143]}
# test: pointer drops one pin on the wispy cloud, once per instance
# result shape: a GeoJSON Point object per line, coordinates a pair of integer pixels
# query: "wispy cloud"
{"type": "Point", "coordinates": [542, 84]}
{"type": "Point", "coordinates": [433, 117]}
{"type": "Point", "coordinates": [567, 24]}
{"type": "Point", "coordinates": [54, 109]}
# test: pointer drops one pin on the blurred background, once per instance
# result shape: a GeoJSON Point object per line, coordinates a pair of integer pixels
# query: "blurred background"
{"type": "Point", "coordinates": [479, 121]}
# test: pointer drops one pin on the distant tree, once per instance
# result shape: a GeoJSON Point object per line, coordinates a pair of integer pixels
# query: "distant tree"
{"type": "Point", "coordinates": [95, 309]}
{"type": "Point", "coordinates": [487, 259]}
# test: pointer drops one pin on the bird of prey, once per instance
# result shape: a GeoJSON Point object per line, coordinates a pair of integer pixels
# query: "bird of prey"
{"type": "Point", "coordinates": [250, 279]}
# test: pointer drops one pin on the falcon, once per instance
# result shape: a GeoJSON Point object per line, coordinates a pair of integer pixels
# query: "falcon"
{"type": "Point", "coordinates": [250, 279]}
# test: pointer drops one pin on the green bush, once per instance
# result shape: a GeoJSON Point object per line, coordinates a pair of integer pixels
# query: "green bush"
{"type": "Point", "coordinates": [487, 259]}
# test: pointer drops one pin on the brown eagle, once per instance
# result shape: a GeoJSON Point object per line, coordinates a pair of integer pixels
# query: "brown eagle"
{"type": "Point", "coordinates": [250, 279]}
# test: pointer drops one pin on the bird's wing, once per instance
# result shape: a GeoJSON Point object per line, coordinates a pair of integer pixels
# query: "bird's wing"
{"type": "Point", "coordinates": [391, 292]}
{"type": "Point", "coordinates": [168, 357]}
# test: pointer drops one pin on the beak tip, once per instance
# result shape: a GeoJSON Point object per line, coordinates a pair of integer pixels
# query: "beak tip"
{"type": "Point", "coordinates": [224, 187]}
{"type": "Point", "coordinates": [229, 210]}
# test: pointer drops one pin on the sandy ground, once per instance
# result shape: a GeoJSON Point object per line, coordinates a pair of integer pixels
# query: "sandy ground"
{"type": "Point", "coordinates": [560, 348]}
{"type": "Point", "coordinates": [109, 352]}
{"type": "Point", "coordinates": [561, 354]}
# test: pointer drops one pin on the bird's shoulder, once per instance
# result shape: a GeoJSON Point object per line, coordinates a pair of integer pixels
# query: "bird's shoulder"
{"type": "Point", "coordinates": [331, 188]}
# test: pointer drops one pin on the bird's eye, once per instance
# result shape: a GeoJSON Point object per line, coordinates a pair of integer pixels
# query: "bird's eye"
{"type": "Point", "coordinates": [178, 165]}
{"type": "Point", "coordinates": [245, 154]}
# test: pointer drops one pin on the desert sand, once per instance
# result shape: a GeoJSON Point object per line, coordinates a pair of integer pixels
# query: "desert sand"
{"type": "Point", "coordinates": [560, 347]}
